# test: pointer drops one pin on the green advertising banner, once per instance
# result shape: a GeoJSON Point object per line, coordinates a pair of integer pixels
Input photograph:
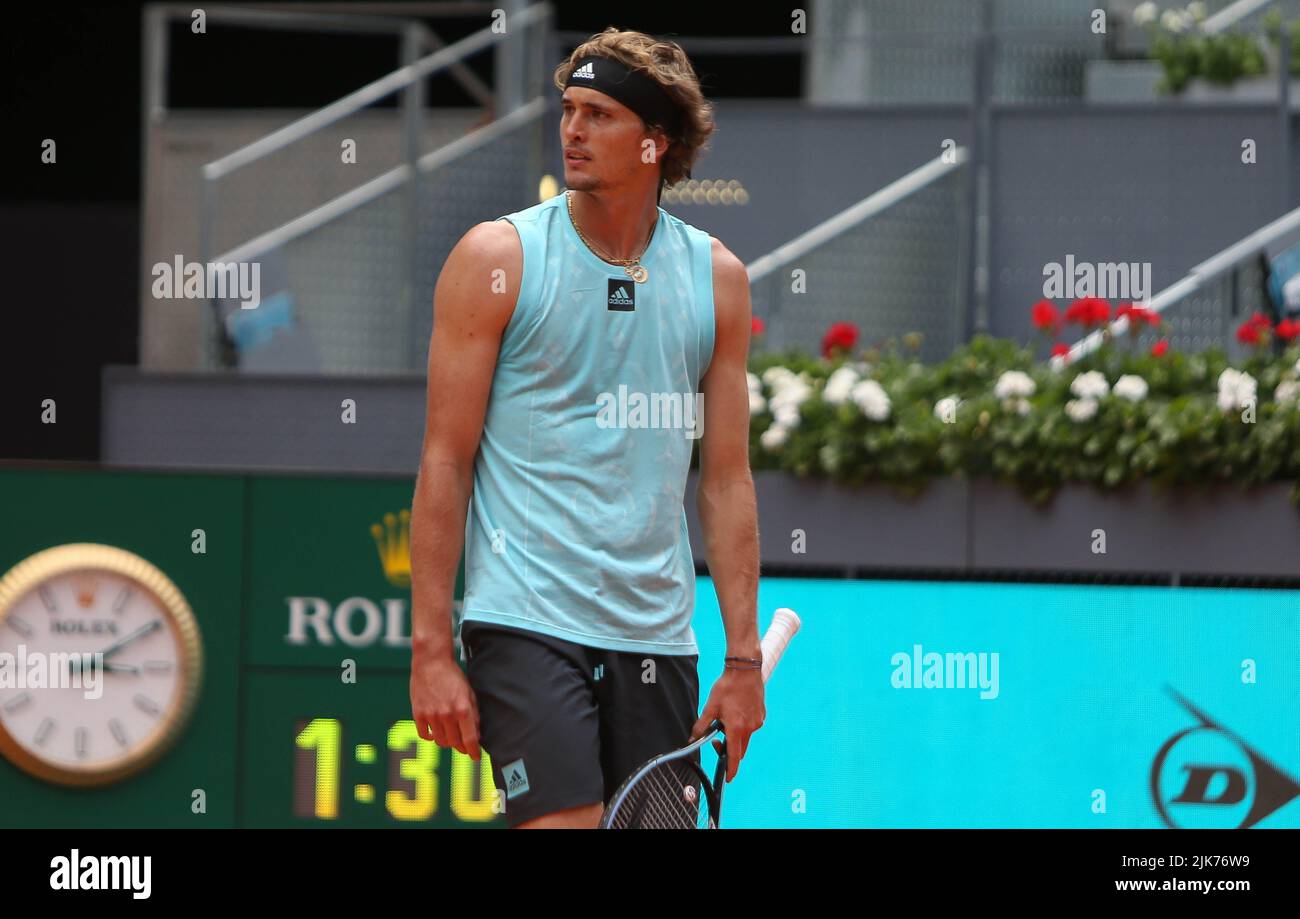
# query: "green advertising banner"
{"type": "Point", "coordinates": [329, 576]}
{"type": "Point", "coordinates": [298, 589]}
{"type": "Point", "coordinates": [162, 518]}
{"type": "Point", "coordinates": [328, 737]}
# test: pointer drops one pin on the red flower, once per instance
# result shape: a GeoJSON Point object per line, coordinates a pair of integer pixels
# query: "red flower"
{"type": "Point", "coordinates": [1045, 316]}
{"type": "Point", "coordinates": [1248, 333]}
{"type": "Point", "coordinates": [1088, 311]}
{"type": "Point", "coordinates": [1060, 350]}
{"type": "Point", "coordinates": [757, 326]}
{"type": "Point", "coordinates": [841, 335]}
{"type": "Point", "coordinates": [1137, 314]}
{"type": "Point", "coordinates": [1160, 347]}
{"type": "Point", "coordinates": [1287, 329]}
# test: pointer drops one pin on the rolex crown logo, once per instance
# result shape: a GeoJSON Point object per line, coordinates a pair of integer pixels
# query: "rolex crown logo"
{"type": "Point", "coordinates": [393, 540]}
{"type": "Point", "coordinates": [85, 590]}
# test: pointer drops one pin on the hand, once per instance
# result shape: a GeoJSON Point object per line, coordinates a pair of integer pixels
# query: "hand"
{"type": "Point", "coordinates": [443, 703]}
{"type": "Point", "coordinates": [737, 701]}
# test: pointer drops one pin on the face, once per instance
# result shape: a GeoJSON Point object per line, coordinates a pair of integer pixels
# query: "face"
{"type": "Point", "coordinates": [607, 135]}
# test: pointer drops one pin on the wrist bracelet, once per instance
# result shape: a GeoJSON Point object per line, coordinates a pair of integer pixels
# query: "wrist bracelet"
{"type": "Point", "coordinates": [750, 660]}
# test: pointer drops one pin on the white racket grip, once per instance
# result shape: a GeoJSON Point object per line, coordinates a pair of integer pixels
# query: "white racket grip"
{"type": "Point", "coordinates": [785, 622]}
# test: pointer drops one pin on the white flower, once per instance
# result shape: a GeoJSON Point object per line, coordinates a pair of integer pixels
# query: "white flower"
{"type": "Point", "coordinates": [1287, 391]}
{"type": "Point", "coordinates": [757, 404]}
{"type": "Point", "coordinates": [1196, 10]}
{"type": "Point", "coordinates": [1017, 404]}
{"type": "Point", "coordinates": [946, 409]}
{"type": "Point", "coordinates": [1081, 409]}
{"type": "Point", "coordinates": [1090, 385]}
{"type": "Point", "coordinates": [1174, 21]}
{"type": "Point", "coordinates": [774, 437]}
{"type": "Point", "coordinates": [755, 384]}
{"type": "Point", "coordinates": [1014, 383]}
{"type": "Point", "coordinates": [1236, 390]}
{"type": "Point", "coordinates": [789, 393]}
{"type": "Point", "coordinates": [787, 416]}
{"type": "Point", "coordinates": [1131, 387]}
{"type": "Point", "coordinates": [839, 385]}
{"type": "Point", "coordinates": [772, 374]}
{"type": "Point", "coordinates": [1145, 13]}
{"type": "Point", "coordinates": [871, 398]}
{"type": "Point", "coordinates": [1297, 366]}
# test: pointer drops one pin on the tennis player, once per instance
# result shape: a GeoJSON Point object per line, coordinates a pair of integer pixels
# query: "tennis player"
{"type": "Point", "coordinates": [575, 347]}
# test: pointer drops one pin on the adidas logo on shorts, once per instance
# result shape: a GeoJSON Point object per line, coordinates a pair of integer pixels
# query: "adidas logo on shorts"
{"type": "Point", "coordinates": [516, 777]}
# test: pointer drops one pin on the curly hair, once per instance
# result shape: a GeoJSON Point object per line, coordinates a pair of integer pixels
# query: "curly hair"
{"type": "Point", "coordinates": [667, 64]}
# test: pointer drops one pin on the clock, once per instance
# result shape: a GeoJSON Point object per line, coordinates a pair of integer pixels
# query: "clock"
{"type": "Point", "coordinates": [100, 664]}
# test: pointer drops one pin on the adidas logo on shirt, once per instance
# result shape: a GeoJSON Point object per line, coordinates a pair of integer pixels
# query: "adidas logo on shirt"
{"type": "Point", "coordinates": [585, 72]}
{"type": "Point", "coordinates": [622, 295]}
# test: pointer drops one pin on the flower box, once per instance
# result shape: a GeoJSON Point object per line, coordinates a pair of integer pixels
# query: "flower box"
{"type": "Point", "coordinates": [984, 526]}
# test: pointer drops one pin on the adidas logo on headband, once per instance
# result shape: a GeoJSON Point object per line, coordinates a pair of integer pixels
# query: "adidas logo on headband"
{"type": "Point", "coordinates": [634, 89]}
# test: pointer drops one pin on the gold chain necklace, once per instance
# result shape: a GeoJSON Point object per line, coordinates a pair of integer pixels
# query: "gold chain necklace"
{"type": "Point", "coordinates": [631, 266]}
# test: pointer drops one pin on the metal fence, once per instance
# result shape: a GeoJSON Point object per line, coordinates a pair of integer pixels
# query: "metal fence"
{"type": "Point", "coordinates": [893, 263]}
{"type": "Point", "coordinates": [350, 283]}
{"type": "Point", "coordinates": [888, 52]}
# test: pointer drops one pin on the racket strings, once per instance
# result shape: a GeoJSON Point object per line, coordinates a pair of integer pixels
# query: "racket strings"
{"type": "Point", "coordinates": [669, 796]}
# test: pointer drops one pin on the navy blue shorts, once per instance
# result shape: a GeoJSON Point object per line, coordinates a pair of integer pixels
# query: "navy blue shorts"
{"type": "Point", "coordinates": [564, 724]}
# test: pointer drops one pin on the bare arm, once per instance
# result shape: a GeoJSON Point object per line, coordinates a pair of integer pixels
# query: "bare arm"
{"type": "Point", "coordinates": [727, 506]}
{"type": "Point", "coordinates": [473, 301]}
{"type": "Point", "coordinates": [728, 510]}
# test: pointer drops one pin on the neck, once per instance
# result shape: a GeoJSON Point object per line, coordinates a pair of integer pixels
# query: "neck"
{"type": "Point", "coordinates": [618, 222]}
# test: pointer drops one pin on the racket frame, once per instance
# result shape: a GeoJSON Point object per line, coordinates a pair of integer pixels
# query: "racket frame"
{"type": "Point", "coordinates": [712, 790]}
{"type": "Point", "coordinates": [785, 623]}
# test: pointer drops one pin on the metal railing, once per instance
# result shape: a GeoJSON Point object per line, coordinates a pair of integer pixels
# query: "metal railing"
{"type": "Point", "coordinates": [1226, 263]}
{"type": "Point", "coordinates": [1234, 14]}
{"type": "Point", "coordinates": [894, 262]}
{"type": "Point", "coordinates": [409, 78]}
{"type": "Point", "coordinates": [412, 234]}
{"type": "Point", "coordinates": [349, 18]}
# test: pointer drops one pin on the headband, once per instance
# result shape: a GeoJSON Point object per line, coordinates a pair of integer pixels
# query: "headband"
{"type": "Point", "coordinates": [631, 87]}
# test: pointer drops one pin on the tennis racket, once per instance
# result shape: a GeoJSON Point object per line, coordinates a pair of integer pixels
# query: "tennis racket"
{"type": "Point", "coordinates": [671, 791]}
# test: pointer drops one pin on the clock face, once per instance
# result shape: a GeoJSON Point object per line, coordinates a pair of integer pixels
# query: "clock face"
{"type": "Point", "coordinates": [102, 661]}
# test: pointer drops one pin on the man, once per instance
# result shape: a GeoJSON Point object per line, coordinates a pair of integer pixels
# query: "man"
{"type": "Point", "coordinates": [575, 344]}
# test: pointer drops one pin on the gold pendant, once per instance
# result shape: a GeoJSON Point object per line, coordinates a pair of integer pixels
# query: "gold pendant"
{"type": "Point", "coordinates": [637, 273]}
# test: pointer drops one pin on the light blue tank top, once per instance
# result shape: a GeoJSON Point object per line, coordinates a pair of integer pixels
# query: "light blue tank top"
{"type": "Point", "coordinates": [576, 525]}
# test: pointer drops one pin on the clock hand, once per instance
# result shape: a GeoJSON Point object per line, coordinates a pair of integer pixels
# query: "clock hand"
{"type": "Point", "coordinates": [108, 666]}
{"type": "Point", "coordinates": [138, 633]}
{"type": "Point", "coordinates": [116, 646]}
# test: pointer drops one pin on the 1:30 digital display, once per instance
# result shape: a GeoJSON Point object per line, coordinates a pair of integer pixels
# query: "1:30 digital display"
{"type": "Point", "coordinates": [315, 751]}
{"type": "Point", "coordinates": [411, 767]}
